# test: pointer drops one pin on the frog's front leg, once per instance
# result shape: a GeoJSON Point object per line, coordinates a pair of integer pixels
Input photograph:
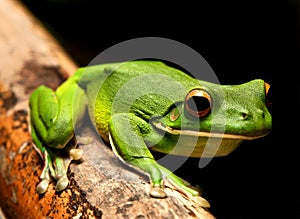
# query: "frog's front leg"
{"type": "Point", "coordinates": [126, 131]}
{"type": "Point", "coordinates": [127, 138]}
{"type": "Point", "coordinates": [51, 118]}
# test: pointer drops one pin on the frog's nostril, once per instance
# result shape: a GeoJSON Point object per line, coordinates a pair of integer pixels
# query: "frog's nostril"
{"type": "Point", "coordinates": [261, 114]}
{"type": "Point", "coordinates": [245, 115]}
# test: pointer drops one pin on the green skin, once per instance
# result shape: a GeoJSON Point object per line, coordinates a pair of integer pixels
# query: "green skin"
{"type": "Point", "coordinates": [142, 106]}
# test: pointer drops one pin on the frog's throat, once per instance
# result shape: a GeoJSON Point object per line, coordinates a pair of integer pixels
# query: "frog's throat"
{"type": "Point", "coordinates": [205, 134]}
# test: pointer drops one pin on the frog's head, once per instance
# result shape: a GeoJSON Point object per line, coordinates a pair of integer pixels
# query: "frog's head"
{"type": "Point", "coordinates": [227, 113]}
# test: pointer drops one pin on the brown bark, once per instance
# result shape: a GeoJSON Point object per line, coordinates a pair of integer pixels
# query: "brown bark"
{"type": "Point", "coordinates": [100, 186]}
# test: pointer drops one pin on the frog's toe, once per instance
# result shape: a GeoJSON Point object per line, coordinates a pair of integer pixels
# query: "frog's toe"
{"type": "Point", "coordinates": [157, 191]}
{"type": "Point", "coordinates": [42, 186]}
{"type": "Point", "coordinates": [75, 154]}
{"type": "Point", "coordinates": [201, 201]}
{"type": "Point", "coordinates": [46, 174]}
{"type": "Point", "coordinates": [84, 140]}
{"type": "Point", "coordinates": [61, 167]}
{"type": "Point", "coordinates": [62, 183]}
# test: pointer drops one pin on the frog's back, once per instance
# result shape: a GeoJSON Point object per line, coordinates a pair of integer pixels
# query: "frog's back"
{"type": "Point", "coordinates": [121, 83]}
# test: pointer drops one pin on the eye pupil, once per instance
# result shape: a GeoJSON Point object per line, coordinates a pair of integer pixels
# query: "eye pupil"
{"type": "Point", "coordinates": [198, 103]}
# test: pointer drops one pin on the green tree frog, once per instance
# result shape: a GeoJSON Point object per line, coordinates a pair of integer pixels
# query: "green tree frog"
{"type": "Point", "coordinates": [143, 106]}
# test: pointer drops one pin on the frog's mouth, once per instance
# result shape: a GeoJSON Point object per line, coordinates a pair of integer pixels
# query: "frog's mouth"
{"type": "Point", "coordinates": [173, 131]}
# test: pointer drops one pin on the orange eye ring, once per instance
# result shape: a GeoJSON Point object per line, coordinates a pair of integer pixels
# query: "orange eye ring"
{"type": "Point", "coordinates": [198, 103]}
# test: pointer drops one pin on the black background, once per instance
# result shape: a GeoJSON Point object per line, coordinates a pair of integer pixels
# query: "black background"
{"type": "Point", "coordinates": [241, 40]}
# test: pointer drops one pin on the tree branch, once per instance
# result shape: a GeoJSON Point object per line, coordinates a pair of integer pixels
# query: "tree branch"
{"type": "Point", "coordinates": [100, 186]}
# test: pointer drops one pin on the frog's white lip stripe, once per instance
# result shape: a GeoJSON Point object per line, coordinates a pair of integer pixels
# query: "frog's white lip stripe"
{"type": "Point", "coordinates": [205, 134]}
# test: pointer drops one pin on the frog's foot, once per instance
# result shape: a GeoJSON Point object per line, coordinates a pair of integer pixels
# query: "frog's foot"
{"type": "Point", "coordinates": [56, 166]}
{"type": "Point", "coordinates": [62, 164]}
{"type": "Point", "coordinates": [45, 176]}
{"type": "Point", "coordinates": [185, 188]}
{"type": "Point", "coordinates": [61, 168]}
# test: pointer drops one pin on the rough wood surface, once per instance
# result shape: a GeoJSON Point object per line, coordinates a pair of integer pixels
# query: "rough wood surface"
{"type": "Point", "coordinates": [100, 186]}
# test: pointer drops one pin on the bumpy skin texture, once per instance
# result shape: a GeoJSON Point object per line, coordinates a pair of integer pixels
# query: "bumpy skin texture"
{"type": "Point", "coordinates": [141, 106]}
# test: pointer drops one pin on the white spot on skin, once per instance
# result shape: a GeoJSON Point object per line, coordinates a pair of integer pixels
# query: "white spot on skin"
{"type": "Point", "coordinates": [23, 146]}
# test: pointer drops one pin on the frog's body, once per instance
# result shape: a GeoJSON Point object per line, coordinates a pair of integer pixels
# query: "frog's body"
{"type": "Point", "coordinates": [140, 106]}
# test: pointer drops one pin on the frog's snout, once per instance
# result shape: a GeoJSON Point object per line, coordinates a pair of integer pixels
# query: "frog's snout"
{"type": "Point", "coordinates": [251, 122]}
{"type": "Point", "coordinates": [263, 121]}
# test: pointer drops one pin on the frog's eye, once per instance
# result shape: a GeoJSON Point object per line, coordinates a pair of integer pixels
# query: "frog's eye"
{"type": "Point", "coordinates": [198, 103]}
{"type": "Point", "coordinates": [267, 90]}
